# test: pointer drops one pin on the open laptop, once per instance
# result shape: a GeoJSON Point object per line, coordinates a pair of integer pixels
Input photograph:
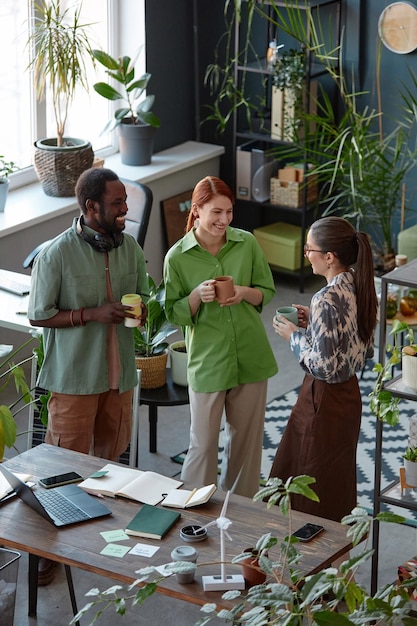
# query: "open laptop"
{"type": "Point", "coordinates": [18, 284]}
{"type": "Point", "coordinates": [61, 506]}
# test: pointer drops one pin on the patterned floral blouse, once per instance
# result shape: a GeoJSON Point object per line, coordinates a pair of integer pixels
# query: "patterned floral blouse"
{"type": "Point", "coordinates": [331, 349]}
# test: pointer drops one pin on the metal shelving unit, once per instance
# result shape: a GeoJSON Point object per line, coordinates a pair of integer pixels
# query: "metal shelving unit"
{"type": "Point", "coordinates": [268, 212]}
{"type": "Point", "coordinates": [405, 276]}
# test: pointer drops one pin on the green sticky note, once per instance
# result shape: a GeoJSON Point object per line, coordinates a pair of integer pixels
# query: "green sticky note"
{"type": "Point", "coordinates": [99, 474]}
{"type": "Point", "coordinates": [115, 549]}
{"type": "Point", "coordinates": [114, 535]}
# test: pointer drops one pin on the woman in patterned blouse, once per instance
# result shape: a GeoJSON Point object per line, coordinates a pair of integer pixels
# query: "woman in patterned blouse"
{"type": "Point", "coordinates": [322, 434]}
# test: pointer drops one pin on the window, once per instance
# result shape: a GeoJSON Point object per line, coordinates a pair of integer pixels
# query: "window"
{"type": "Point", "coordinates": [23, 118]}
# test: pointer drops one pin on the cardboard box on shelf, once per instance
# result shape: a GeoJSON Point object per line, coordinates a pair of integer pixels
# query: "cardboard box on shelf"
{"type": "Point", "coordinates": [281, 244]}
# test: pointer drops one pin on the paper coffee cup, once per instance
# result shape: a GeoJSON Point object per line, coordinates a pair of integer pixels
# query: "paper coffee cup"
{"type": "Point", "coordinates": [134, 300]}
{"type": "Point", "coordinates": [289, 312]}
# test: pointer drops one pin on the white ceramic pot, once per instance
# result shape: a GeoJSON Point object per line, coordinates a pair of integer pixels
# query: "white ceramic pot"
{"type": "Point", "coordinates": [410, 473]}
{"type": "Point", "coordinates": [4, 188]}
{"type": "Point", "coordinates": [179, 361]}
{"type": "Point", "coordinates": [409, 371]}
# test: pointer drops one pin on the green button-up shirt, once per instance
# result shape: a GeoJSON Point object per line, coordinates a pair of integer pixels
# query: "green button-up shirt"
{"type": "Point", "coordinates": [70, 274]}
{"type": "Point", "coordinates": [227, 346]}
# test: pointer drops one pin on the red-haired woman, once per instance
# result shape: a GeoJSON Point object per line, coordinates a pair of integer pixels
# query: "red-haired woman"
{"type": "Point", "coordinates": [229, 355]}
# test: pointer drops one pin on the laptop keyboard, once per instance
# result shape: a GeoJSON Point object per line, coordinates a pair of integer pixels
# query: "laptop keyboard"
{"type": "Point", "coordinates": [60, 508]}
{"type": "Point", "coordinates": [13, 286]}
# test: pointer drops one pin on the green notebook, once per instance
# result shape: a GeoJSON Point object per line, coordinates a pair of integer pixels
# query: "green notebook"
{"type": "Point", "coordinates": [152, 522]}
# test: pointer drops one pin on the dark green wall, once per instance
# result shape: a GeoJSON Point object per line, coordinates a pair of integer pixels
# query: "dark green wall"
{"type": "Point", "coordinates": [181, 37]}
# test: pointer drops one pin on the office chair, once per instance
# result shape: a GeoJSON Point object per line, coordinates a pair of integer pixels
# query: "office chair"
{"type": "Point", "coordinates": [139, 202]}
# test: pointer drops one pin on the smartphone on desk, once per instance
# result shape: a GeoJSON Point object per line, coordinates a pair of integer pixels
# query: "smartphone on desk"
{"type": "Point", "coordinates": [308, 531]}
{"type": "Point", "coordinates": [60, 479]}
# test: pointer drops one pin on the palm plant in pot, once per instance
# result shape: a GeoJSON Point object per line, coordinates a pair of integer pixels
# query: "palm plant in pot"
{"type": "Point", "coordinates": [6, 168]}
{"type": "Point", "coordinates": [135, 121]}
{"type": "Point", "coordinates": [60, 49]}
{"type": "Point", "coordinates": [151, 346]}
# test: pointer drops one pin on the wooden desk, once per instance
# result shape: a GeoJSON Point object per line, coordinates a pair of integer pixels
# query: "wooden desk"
{"type": "Point", "coordinates": [80, 545]}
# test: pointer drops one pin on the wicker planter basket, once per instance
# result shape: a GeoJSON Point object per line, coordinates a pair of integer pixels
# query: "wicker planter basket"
{"type": "Point", "coordinates": [154, 370]}
{"type": "Point", "coordinates": [58, 169]}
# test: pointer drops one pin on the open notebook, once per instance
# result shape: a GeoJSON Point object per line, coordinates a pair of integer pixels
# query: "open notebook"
{"type": "Point", "coordinates": [61, 505]}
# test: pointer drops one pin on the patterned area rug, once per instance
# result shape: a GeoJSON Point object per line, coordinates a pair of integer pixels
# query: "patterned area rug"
{"type": "Point", "coordinates": [394, 442]}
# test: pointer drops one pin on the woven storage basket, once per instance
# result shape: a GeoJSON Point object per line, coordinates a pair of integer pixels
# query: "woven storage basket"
{"type": "Point", "coordinates": [154, 370]}
{"type": "Point", "coordinates": [58, 170]}
{"type": "Point", "coordinates": [291, 193]}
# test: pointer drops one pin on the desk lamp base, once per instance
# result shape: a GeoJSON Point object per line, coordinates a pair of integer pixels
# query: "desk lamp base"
{"type": "Point", "coordinates": [217, 583]}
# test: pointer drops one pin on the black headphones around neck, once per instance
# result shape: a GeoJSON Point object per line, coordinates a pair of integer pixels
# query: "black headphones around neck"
{"type": "Point", "coordinates": [100, 241]}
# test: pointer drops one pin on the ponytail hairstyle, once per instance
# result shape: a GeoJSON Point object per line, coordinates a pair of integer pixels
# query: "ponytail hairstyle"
{"type": "Point", "coordinates": [353, 249]}
{"type": "Point", "coordinates": [205, 191]}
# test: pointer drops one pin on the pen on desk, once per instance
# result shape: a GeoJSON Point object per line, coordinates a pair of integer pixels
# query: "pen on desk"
{"type": "Point", "coordinates": [190, 496]}
{"type": "Point", "coordinates": [97, 495]}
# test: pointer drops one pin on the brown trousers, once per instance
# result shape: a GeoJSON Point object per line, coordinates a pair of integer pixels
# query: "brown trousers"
{"type": "Point", "coordinates": [320, 440]}
{"type": "Point", "coordinates": [100, 424]}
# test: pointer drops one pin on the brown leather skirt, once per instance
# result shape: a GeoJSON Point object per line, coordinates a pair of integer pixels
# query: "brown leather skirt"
{"type": "Point", "coordinates": [320, 440]}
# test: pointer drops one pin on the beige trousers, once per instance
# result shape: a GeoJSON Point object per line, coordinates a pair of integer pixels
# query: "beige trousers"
{"type": "Point", "coordinates": [244, 409]}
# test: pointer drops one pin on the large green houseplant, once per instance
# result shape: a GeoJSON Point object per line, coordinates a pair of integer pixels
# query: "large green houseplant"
{"type": "Point", "coordinates": [60, 50]}
{"type": "Point", "coordinates": [360, 156]}
{"type": "Point", "coordinates": [135, 121]}
{"type": "Point", "coordinates": [151, 346]}
{"type": "Point", "coordinates": [330, 597]}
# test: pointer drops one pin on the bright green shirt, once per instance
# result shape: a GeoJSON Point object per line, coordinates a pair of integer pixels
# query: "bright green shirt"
{"type": "Point", "coordinates": [227, 346]}
{"type": "Point", "coordinates": [70, 274]}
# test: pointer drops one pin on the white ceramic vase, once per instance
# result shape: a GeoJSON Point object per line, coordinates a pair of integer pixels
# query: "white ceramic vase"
{"type": "Point", "coordinates": [409, 371]}
{"type": "Point", "coordinates": [178, 361]}
{"type": "Point", "coordinates": [410, 473]}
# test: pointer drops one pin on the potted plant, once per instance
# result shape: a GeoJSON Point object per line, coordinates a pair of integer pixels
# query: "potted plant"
{"type": "Point", "coordinates": [410, 466]}
{"type": "Point", "coordinates": [287, 94]}
{"type": "Point", "coordinates": [6, 168]}
{"type": "Point", "coordinates": [135, 122]}
{"type": "Point", "coordinates": [330, 596]}
{"type": "Point", "coordinates": [252, 560]}
{"type": "Point", "coordinates": [178, 359]}
{"type": "Point", "coordinates": [60, 48]}
{"type": "Point", "coordinates": [382, 402]}
{"type": "Point", "coordinates": [151, 339]}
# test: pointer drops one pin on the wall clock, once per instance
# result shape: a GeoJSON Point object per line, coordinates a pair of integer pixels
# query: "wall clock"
{"type": "Point", "coordinates": [397, 27]}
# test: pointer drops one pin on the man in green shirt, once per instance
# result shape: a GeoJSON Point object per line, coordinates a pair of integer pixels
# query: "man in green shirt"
{"type": "Point", "coordinates": [77, 285]}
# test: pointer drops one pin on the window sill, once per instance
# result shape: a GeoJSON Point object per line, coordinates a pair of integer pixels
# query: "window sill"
{"type": "Point", "coordinates": [29, 205]}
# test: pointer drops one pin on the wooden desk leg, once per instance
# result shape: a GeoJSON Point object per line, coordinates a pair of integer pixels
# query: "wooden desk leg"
{"type": "Point", "coordinates": [71, 591]}
{"type": "Point", "coordinates": [153, 420]}
{"type": "Point", "coordinates": [33, 584]}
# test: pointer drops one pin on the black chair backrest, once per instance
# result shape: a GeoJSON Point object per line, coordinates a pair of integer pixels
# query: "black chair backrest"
{"type": "Point", "coordinates": [28, 262]}
{"type": "Point", "coordinates": [139, 203]}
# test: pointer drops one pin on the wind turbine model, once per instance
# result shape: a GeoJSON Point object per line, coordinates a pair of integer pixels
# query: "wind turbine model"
{"type": "Point", "coordinates": [222, 582]}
